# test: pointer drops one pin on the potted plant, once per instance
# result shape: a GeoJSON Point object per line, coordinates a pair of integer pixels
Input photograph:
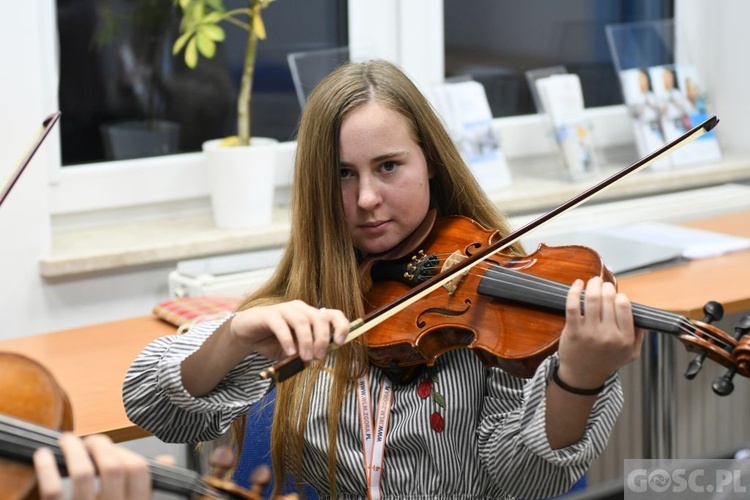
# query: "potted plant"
{"type": "Point", "coordinates": [238, 163]}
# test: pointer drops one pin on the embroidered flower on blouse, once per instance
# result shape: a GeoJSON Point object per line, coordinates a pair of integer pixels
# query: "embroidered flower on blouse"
{"type": "Point", "coordinates": [437, 422]}
{"type": "Point", "coordinates": [426, 389]}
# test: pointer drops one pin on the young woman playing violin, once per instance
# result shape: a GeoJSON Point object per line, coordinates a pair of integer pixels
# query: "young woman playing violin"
{"type": "Point", "coordinates": [372, 160]}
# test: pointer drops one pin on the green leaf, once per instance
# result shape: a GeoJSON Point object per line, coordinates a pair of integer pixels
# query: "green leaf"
{"type": "Point", "coordinates": [180, 43]}
{"type": "Point", "coordinates": [199, 11]}
{"type": "Point", "coordinates": [213, 18]}
{"type": "Point", "coordinates": [191, 53]}
{"type": "Point", "coordinates": [206, 46]}
{"type": "Point", "coordinates": [215, 33]}
{"type": "Point", "coordinates": [438, 398]}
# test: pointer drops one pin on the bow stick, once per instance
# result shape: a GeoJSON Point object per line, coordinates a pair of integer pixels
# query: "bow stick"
{"type": "Point", "coordinates": [294, 364]}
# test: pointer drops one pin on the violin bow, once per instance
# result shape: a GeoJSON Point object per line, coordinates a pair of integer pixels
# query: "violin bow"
{"type": "Point", "coordinates": [47, 125]}
{"type": "Point", "coordinates": [293, 364]}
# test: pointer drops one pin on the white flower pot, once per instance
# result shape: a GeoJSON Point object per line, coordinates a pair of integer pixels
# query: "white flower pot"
{"type": "Point", "coordinates": [241, 180]}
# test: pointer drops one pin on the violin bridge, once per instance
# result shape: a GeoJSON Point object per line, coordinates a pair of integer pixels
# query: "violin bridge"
{"type": "Point", "coordinates": [451, 261]}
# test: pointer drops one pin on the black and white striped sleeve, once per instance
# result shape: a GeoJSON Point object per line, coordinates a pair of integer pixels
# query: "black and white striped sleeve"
{"type": "Point", "coordinates": [156, 400]}
{"type": "Point", "coordinates": [513, 440]}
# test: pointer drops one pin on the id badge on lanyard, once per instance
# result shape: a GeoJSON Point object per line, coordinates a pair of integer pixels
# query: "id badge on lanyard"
{"type": "Point", "coordinates": [373, 437]}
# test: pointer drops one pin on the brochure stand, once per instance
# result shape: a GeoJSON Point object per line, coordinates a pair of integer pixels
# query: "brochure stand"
{"type": "Point", "coordinates": [464, 109]}
{"type": "Point", "coordinates": [558, 95]}
{"type": "Point", "coordinates": [665, 98]}
{"type": "Point", "coordinates": [643, 55]}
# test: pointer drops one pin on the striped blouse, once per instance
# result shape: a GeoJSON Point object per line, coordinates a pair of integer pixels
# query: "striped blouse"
{"type": "Point", "coordinates": [461, 431]}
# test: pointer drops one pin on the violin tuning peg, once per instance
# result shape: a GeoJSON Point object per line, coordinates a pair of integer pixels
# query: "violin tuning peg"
{"type": "Point", "coordinates": [221, 460]}
{"type": "Point", "coordinates": [743, 327]}
{"type": "Point", "coordinates": [695, 366]}
{"type": "Point", "coordinates": [259, 478]}
{"type": "Point", "coordinates": [713, 312]}
{"type": "Point", "coordinates": [723, 386]}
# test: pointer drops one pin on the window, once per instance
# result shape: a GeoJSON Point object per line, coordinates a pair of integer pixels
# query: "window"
{"type": "Point", "coordinates": [497, 41]}
{"type": "Point", "coordinates": [118, 78]}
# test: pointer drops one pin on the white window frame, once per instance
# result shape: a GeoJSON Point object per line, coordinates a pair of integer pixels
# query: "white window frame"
{"type": "Point", "coordinates": [417, 29]}
{"type": "Point", "coordinates": [409, 33]}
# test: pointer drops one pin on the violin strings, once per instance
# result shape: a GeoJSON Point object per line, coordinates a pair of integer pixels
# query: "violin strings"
{"type": "Point", "coordinates": [558, 290]}
{"type": "Point", "coordinates": [176, 480]}
{"type": "Point", "coordinates": [26, 437]}
{"type": "Point", "coordinates": [22, 438]}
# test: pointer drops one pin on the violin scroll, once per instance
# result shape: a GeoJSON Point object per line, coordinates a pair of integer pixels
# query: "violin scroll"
{"type": "Point", "coordinates": [713, 312]}
{"type": "Point", "coordinates": [724, 385]}
{"type": "Point", "coordinates": [221, 461]}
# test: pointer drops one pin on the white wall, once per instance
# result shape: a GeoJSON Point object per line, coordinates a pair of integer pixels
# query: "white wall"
{"type": "Point", "coordinates": [717, 36]}
{"type": "Point", "coordinates": [716, 32]}
{"type": "Point", "coordinates": [28, 303]}
{"type": "Point", "coordinates": [24, 219]}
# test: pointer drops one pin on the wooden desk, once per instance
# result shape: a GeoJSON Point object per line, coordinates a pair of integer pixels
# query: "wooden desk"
{"type": "Point", "coordinates": [90, 365]}
{"type": "Point", "coordinates": [684, 289]}
{"type": "Point", "coordinates": [90, 362]}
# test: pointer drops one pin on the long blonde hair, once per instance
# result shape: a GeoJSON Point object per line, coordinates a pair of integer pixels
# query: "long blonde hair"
{"type": "Point", "coordinates": [320, 264]}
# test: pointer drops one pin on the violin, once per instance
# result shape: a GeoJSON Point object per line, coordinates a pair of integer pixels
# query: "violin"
{"type": "Point", "coordinates": [34, 410]}
{"type": "Point", "coordinates": [432, 307]}
{"type": "Point", "coordinates": [510, 310]}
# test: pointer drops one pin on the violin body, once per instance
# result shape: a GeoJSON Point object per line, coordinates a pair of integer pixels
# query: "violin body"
{"type": "Point", "coordinates": [34, 410]}
{"type": "Point", "coordinates": [512, 335]}
{"type": "Point", "coordinates": [413, 308]}
{"type": "Point", "coordinates": [30, 393]}
{"type": "Point", "coordinates": [510, 310]}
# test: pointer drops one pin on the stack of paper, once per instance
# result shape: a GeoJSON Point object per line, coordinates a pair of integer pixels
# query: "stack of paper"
{"type": "Point", "coordinates": [562, 99]}
{"type": "Point", "coordinates": [694, 243]}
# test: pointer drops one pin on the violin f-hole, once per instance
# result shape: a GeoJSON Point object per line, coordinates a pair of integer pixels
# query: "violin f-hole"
{"type": "Point", "coordinates": [421, 323]}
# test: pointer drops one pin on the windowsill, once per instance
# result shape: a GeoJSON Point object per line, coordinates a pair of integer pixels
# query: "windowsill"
{"type": "Point", "coordinates": [160, 241]}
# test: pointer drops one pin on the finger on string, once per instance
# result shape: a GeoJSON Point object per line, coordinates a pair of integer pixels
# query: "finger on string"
{"type": "Point", "coordinates": [573, 303]}
{"type": "Point", "coordinates": [608, 309]}
{"type": "Point", "coordinates": [593, 299]}
{"type": "Point", "coordinates": [112, 480]}
{"type": "Point", "coordinates": [166, 460]}
{"type": "Point", "coordinates": [49, 481]}
{"type": "Point", "coordinates": [624, 312]}
{"type": "Point", "coordinates": [138, 478]}
{"type": "Point", "coordinates": [81, 469]}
